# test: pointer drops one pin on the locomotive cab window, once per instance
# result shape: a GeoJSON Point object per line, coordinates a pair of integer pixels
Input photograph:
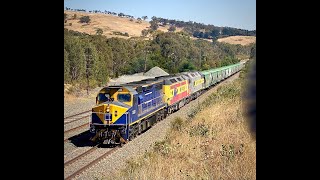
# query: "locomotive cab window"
{"type": "Point", "coordinates": [124, 97]}
{"type": "Point", "coordinates": [102, 97]}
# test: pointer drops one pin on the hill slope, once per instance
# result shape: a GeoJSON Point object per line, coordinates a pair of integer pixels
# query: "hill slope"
{"type": "Point", "coordinates": [109, 24]}
{"type": "Point", "coordinates": [243, 40]}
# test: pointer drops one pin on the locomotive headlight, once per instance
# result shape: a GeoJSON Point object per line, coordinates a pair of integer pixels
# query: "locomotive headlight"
{"type": "Point", "coordinates": [92, 129]}
{"type": "Point", "coordinates": [116, 113]}
{"type": "Point", "coordinates": [108, 108]}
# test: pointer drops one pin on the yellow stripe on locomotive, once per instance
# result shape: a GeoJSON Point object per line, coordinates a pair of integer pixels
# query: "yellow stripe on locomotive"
{"type": "Point", "coordinates": [113, 110]}
{"type": "Point", "coordinates": [175, 92]}
{"type": "Point", "coordinates": [199, 82]}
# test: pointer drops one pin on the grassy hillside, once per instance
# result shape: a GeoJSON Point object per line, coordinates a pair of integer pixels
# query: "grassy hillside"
{"type": "Point", "coordinates": [109, 24]}
{"type": "Point", "coordinates": [243, 40]}
{"type": "Point", "coordinates": [215, 143]}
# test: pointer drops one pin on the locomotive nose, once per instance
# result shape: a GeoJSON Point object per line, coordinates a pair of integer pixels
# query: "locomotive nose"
{"type": "Point", "coordinates": [107, 113]}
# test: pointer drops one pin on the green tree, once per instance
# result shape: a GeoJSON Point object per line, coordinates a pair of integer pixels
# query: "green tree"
{"type": "Point", "coordinates": [154, 25]}
{"type": "Point", "coordinates": [103, 62]}
{"type": "Point", "coordinates": [73, 46]}
{"type": "Point", "coordinates": [121, 51]}
{"type": "Point", "coordinates": [215, 33]}
{"type": "Point", "coordinates": [186, 66]}
{"type": "Point", "coordinates": [144, 17]}
{"type": "Point", "coordinates": [144, 32]}
{"type": "Point", "coordinates": [91, 56]}
{"type": "Point", "coordinates": [139, 20]}
{"type": "Point", "coordinates": [153, 18]}
{"type": "Point", "coordinates": [66, 67]}
{"type": "Point", "coordinates": [172, 29]}
{"type": "Point", "coordinates": [85, 19]}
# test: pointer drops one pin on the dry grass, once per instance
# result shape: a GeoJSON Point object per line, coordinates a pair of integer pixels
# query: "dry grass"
{"type": "Point", "coordinates": [109, 24]}
{"type": "Point", "coordinates": [243, 40]}
{"type": "Point", "coordinates": [73, 93]}
{"type": "Point", "coordinates": [215, 144]}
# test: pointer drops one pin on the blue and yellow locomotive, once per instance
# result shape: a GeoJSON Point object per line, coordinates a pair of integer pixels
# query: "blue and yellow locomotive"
{"type": "Point", "coordinates": [122, 112]}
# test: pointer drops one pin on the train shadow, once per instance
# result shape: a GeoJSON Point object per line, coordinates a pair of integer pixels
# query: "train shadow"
{"type": "Point", "coordinates": [83, 140]}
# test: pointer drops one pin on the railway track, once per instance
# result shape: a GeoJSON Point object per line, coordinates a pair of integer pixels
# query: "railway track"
{"type": "Point", "coordinates": [80, 156]}
{"type": "Point", "coordinates": [76, 128]}
{"type": "Point", "coordinates": [90, 163]}
{"type": "Point", "coordinates": [73, 123]}
{"type": "Point", "coordinates": [72, 130]}
{"type": "Point", "coordinates": [77, 117]}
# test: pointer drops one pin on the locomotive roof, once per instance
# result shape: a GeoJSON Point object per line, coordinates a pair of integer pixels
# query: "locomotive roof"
{"type": "Point", "coordinates": [146, 82]}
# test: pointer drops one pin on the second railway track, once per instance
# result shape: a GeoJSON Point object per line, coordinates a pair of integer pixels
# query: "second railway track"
{"type": "Point", "coordinates": [75, 123]}
{"type": "Point", "coordinates": [77, 117]}
{"type": "Point", "coordinates": [85, 160]}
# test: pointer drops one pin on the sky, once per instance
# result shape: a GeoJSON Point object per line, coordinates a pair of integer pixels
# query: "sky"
{"type": "Point", "coordinates": [232, 13]}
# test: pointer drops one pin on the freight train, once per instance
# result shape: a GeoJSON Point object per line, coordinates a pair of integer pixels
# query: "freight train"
{"type": "Point", "coordinates": [124, 111]}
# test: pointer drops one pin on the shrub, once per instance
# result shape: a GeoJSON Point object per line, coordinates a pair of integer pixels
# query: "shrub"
{"type": "Point", "coordinates": [162, 147]}
{"type": "Point", "coordinates": [177, 124]}
{"type": "Point", "coordinates": [199, 130]}
{"type": "Point", "coordinates": [85, 19]}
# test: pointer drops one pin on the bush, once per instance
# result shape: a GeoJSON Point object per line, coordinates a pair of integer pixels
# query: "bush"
{"type": "Point", "coordinates": [172, 28]}
{"type": "Point", "coordinates": [199, 130]}
{"type": "Point", "coordinates": [162, 147]}
{"type": "Point", "coordinates": [120, 33]}
{"type": "Point", "coordinates": [177, 124]}
{"type": "Point", "coordinates": [85, 19]}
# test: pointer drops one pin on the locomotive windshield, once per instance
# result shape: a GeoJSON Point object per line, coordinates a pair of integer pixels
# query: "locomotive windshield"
{"type": "Point", "coordinates": [124, 97]}
{"type": "Point", "coordinates": [103, 97]}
